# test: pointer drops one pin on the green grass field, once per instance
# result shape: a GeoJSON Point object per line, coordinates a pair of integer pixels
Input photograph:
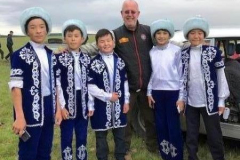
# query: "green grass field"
{"type": "Point", "coordinates": [9, 141]}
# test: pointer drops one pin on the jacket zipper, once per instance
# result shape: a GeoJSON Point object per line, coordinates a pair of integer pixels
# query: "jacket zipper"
{"type": "Point", "coordinates": [139, 61]}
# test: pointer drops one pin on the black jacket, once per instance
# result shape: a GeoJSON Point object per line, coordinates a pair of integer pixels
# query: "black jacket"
{"type": "Point", "coordinates": [9, 40]}
{"type": "Point", "coordinates": [133, 47]}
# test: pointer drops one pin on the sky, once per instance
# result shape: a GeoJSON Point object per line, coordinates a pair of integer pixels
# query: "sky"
{"type": "Point", "coordinates": [97, 14]}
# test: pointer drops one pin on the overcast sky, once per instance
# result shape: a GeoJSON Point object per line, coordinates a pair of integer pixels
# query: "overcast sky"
{"type": "Point", "coordinates": [97, 14]}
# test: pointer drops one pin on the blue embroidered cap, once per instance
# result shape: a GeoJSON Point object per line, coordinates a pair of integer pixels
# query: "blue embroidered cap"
{"type": "Point", "coordinates": [77, 23]}
{"type": "Point", "coordinates": [35, 12]}
{"type": "Point", "coordinates": [165, 24]}
{"type": "Point", "coordinates": [196, 22]}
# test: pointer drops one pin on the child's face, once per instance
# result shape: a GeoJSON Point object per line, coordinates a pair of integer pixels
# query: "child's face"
{"type": "Point", "coordinates": [74, 40]}
{"type": "Point", "coordinates": [196, 37]}
{"type": "Point", "coordinates": [105, 44]}
{"type": "Point", "coordinates": [162, 37]}
{"type": "Point", "coordinates": [37, 30]}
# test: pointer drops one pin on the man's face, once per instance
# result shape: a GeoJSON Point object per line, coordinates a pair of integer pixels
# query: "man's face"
{"type": "Point", "coordinates": [130, 15]}
{"type": "Point", "coordinates": [37, 30]}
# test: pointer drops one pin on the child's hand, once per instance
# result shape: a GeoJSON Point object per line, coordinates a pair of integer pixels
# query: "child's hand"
{"type": "Point", "coordinates": [19, 125]}
{"type": "Point", "coordinates": [60, 49]}
{"type": "Point", "coordinates": [58, 117]}
{"type": "Point", "coordinates": [151, 101]}
{"type": "Point", "coordinates": [181, 105]}
{"type": "Point", "coordinates": [65, 114]}
{"type": "Point", "coordinates": [90, 113]}
{"type": "Point", "coordinates": [221, 110]}
{"type": "Point", "coordinates": [125, 108]}
{"type": "Point", "coordinates": [114, 97]}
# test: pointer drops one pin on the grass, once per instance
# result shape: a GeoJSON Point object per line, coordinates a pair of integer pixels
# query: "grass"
{"type": "Point", "coordinates": [9, 141]}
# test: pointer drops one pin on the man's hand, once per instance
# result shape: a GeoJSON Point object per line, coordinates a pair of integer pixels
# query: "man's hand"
{"type": "Point", "coordinates": [151, 101]}
{"type": "Point", "coordinates": [114, 97]}
{"type": "Point", "coordinates": [19, 125]}
{"type": "Point", "coordinates": [65, 114]}
{"type": "Point", "coordinates": [125, 108]}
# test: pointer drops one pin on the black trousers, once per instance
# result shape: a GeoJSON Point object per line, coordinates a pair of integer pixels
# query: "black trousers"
{"type": "Point", "coordinates": [148, 116]}
{"type": "Point", "coordinates": [102, 145]}
{"type": "Point", "coordinates": [10, 49]}
{"type": "Point", "coordinates": [213, 129]}
{"type": "Point", "coordinates": [2, 53]}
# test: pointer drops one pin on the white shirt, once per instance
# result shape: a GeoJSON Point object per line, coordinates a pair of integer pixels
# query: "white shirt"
{"type": "Point", "coordinates": [196, 84]}
{"type": "Point", "coordinates": [45, 78]}
{"type": "Point", "coordinates": [77, 70]}
{"type": "Point", "coordinates": [94, 91]}
{"type": "Point", "coordinates": [166, 69]}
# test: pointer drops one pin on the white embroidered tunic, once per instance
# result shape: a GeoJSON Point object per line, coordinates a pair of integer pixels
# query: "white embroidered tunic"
{"type": "Point", "coordinates": [166, 69]}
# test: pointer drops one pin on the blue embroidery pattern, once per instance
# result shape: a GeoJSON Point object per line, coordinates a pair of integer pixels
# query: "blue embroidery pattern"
{"type": "Point", "coordinates": [85, 61]}
{"type": "Point", "coordinates": [109, 104]}
{"type": "Point", "coordinates": [208, 55]}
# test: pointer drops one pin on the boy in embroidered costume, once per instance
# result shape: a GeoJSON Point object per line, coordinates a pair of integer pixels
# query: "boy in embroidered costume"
{"type": "Point", "coordinates": [163, 89]}
{"type": "Point", "coordinates": [32, 84]}
{"type": "Point", "coordinates": [72, 90]}
{"type": "Point", "coordinates": [109, 95]}
{"type": "Point", "coordinates": [205, 88]}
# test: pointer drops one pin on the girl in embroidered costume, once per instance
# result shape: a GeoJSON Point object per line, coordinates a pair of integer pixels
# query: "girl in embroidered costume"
{"type": "Point", "coordinates": [109, 96]}
{"type": "Point", "coordinates": [72, 90]}
{"type": "Point", "coordinates": [163, 89]}
{"type": "Point", "coordinates": [32, 84]}
{"type": "Point", "coordinates": [205, 88]}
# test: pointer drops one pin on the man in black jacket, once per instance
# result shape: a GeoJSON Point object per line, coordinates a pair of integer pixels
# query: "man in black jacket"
{"type": "Point", "coordinates": [9, 45]}
{"type": "Point", "coordinates": [133, 43]}
{"type": "Point", "coordinates": [1, 51]}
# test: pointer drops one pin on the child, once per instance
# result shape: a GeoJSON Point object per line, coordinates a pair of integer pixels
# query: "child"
{"type": "Point", "coordinates": [32, 84]}
{"type": "Point", "coordinates": [108, 85]}
{"type": "Point", "coordinates": [205, 88]}
{"type": "Point", "coordinates": [72, 90]}
{"type": "Point", "coordinates": [163, 89]}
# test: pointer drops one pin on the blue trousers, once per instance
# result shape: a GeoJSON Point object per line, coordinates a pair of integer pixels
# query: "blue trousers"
{"type": "Point", "coordinates": [79, 124]}
{"type": "Point", "coordinates": [168, 127]}
{"type": "Point", "coordinates": [38, 147]}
